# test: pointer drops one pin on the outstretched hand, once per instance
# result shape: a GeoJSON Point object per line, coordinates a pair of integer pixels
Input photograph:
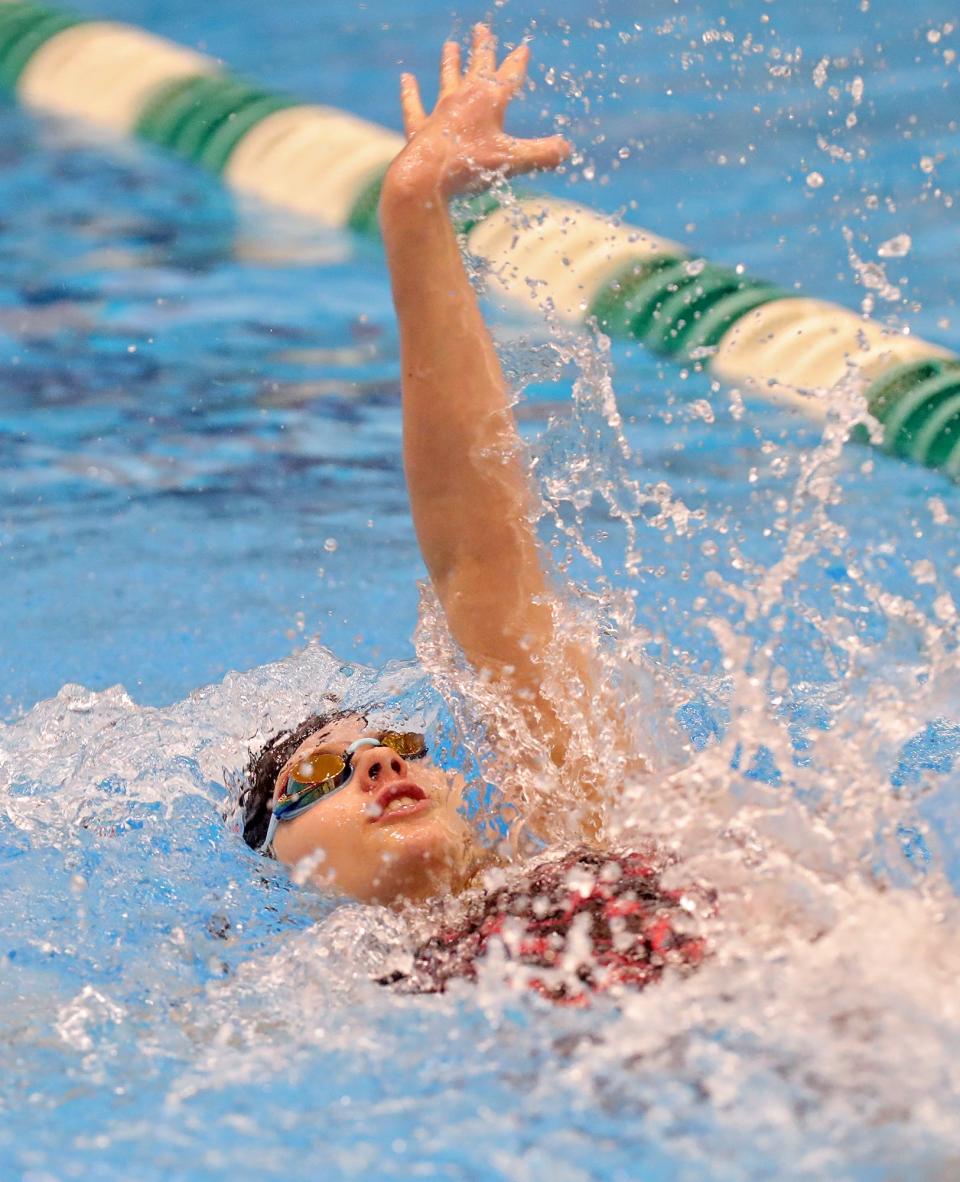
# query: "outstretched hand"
{"type": "Point", "coordinates": [461, 143]}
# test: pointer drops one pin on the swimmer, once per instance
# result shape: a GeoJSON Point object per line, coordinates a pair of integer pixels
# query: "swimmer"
{"type": "Point", "coordinates": [364, 805]}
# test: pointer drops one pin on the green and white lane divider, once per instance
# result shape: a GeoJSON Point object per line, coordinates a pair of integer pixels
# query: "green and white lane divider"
{"type": "Point", "coordinates": [328, 165]}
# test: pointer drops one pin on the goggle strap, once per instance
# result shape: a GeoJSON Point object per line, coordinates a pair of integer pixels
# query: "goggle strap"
{"type": "Point", "coordinates": [271, 833]}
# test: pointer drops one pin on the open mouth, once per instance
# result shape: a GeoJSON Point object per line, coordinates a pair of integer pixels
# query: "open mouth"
{"type": "Point", "coordinates": [402, 799]}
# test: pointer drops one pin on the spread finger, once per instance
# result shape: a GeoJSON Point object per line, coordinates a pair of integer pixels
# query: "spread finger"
{"type": "Point", "coordinates": [513, 68]}
{"type": "Point", "coordinates": [449, 68]}
{"type": "Point", "coordinates": [410, 104]}
{"type": "Point", "coordinates": [483, 53]}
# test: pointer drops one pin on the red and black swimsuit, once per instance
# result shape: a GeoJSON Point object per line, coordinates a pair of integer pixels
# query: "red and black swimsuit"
{"type": "Point", "coordinates": [632, 928]}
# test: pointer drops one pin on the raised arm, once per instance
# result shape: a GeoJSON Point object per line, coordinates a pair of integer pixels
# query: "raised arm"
{"type": "Point", "coordinates": [468, 486]}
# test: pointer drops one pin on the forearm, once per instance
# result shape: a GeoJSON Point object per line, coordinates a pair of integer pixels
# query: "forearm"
{"type": "Point", "coordinates": [468, 487]}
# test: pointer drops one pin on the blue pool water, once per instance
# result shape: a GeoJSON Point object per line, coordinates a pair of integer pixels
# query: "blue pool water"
{"type": "Point", "coordinates": [201, 473]}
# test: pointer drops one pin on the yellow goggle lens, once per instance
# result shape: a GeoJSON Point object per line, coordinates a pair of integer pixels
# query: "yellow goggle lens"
{"type": "Point", "coordinates": [409, 744]}
{"type": "Point", "coordinates": [315, 769]}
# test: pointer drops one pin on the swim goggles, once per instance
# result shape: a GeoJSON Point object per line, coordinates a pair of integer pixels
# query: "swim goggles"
{"type": "Point", "coordinates": [315, 777]}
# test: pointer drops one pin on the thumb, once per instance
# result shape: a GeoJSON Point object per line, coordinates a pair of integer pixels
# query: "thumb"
{"type": "Point", "coordinates": [546, 152]}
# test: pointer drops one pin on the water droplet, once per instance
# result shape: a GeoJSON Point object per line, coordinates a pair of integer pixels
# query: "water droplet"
{"type": "Point", "coordinates": [895, 248]}
{"type": "Point", "coordinates": [944, 608]}
{"type": "Point", "coordinates": [938, 510]}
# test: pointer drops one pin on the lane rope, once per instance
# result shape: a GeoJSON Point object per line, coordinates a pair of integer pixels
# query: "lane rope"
{"type": "Point", "coordinates": [540, 253]}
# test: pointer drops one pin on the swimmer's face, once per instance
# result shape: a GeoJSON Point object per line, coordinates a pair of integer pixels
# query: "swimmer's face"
{"type": "Point", "coordinates": [371, 839]}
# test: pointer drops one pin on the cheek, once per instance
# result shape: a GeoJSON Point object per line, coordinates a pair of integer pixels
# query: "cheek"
{"type": "Point", "coordinates": [334, 826]}
{"type": "Point", "coordinates": [341, 826]}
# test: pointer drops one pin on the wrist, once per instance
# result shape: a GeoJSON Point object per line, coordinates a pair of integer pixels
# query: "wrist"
{"type": "Point", "coordinates": [416, 177]}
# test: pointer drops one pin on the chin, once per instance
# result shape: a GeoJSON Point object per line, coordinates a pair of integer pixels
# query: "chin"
{"type": "Point", "coordinates": [421, 862]}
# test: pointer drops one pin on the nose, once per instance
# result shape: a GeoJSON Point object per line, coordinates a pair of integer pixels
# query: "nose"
{"type": "Point", "coordinates": [375, 766]}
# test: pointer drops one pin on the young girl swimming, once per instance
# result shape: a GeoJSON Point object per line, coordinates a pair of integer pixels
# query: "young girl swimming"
{"type": "Point", "coordinates": [364, 806]}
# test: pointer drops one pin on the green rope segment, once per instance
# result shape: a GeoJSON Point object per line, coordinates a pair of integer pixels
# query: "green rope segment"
{"type": "Point", "coordinates": [469, 212]}
{"type": "Point", "coordinates": [614, 305]}
{"type": "Point", "coordinates": [23, 29]}
{"type": "Point", "coordinates": [919, 406]}
{"type": "Point", "coordinates": [676, 305]}
{"type": "Point", "coordinates": [204, 117]}
{"type": "Point", "coordinates": [364, 217]}
{"type": "Point", "coordinates": [711, 323]}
